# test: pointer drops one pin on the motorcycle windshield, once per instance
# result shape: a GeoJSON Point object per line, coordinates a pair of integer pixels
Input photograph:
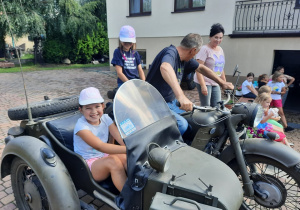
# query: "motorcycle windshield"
{"type": "Point", "coordinates": [137, 104]}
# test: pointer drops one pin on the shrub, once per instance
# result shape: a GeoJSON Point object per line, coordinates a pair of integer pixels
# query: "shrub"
{"type": "Point", "coordinates": [94, 44]}
{"type": "Point", "coordinates": [55, 50]}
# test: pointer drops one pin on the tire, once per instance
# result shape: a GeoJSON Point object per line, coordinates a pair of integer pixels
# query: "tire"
{"type": "Point", "coordinates": [45, 108]}
{"type": "Point", "coordinates": [28, 190]}
{"type": "Point", "coordinates": [280, 182]}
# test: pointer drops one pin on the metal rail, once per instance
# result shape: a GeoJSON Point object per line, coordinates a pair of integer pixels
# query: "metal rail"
{"type": "Point", "coordinates": [267, 16]}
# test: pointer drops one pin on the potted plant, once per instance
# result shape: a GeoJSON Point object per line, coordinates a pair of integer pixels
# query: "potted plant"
{"type": "Point", "coordinates": [238, 91]}
{"type": "Point", "coordinates": [230, 104]}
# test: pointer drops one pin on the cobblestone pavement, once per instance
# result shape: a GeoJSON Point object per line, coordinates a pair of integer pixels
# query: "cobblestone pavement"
{"type": "Point", "coordinates": [58, 83]}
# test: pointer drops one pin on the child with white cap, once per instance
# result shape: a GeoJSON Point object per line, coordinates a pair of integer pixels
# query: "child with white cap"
{"type": "Point", "coordinates": [91, 134]}
{"type": "Point", "coordinates": [126, 60]}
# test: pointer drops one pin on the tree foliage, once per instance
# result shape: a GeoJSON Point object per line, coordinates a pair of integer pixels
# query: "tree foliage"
{"type": "Point", "coordinates": [68, 23]}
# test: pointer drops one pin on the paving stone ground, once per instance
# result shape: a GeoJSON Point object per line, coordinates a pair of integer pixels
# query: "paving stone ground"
{"type": "Point", "coordinates": [58, 83]}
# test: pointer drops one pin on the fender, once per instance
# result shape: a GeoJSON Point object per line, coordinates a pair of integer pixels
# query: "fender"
{"type": "Point", "coordinates": [263, 147]}
{"type": "Point", "coordinates": [54, 177]}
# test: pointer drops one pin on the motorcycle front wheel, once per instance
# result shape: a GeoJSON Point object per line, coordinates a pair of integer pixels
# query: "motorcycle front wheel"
{"type": "Point", "coordinates": [278, 183]}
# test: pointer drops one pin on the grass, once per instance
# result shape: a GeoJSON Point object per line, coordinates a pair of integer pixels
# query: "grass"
{"type": "Point", "coordinates": [38, 67]}
{"type": "Point", "coordinates": [27, 56]}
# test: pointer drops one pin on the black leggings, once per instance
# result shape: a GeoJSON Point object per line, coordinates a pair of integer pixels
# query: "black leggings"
{"type": "Point", "coordinates": [250, 95]}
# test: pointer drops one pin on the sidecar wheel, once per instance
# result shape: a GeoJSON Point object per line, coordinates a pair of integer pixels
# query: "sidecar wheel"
{"type": "Point", "coordinates": [280, 183]}
{"type": "Point", "coordinates": [45, 108]}
{"type": "Point", "coordinates": [28, 190]}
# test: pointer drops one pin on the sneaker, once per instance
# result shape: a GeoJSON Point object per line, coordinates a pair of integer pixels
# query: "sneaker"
{"type": "Point", "coordinates": [288, 128]}
{"type": "Point", "coordinates": [291, 144]}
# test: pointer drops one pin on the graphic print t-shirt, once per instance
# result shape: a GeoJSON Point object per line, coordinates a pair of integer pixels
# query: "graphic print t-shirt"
{"type": "Point", "coordinates": [129, 62]}
{"type": "Point", "coordinates": [276, 86]}
{"type": "Point", "coordinates": [215, 60]}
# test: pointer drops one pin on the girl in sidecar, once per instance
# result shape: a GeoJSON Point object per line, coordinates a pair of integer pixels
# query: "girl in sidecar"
{"type": "Point", "coordinates": [91, 136]}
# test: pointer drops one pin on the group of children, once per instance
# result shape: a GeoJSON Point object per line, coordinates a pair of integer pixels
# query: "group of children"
{"type": "Point", "coordinates": [277, 87]}
{"type": "Point", "coordinates": [269, 121]}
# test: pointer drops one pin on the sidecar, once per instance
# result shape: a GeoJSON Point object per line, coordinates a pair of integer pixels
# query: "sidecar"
{"type": "Point", "coordinates": [163, 172]}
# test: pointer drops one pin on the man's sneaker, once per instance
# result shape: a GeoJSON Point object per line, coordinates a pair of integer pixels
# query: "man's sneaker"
{"type": "Point", "coordinates": [288, 128]}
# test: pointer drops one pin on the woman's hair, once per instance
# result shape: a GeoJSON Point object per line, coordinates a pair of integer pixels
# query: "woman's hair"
{"type": "Point", "coordinates": [261, 77]}
{"type": "Point", "coordinates": [250, 74]}
{"type": "Point", "coordinates": [262, 97]}
{"type": "Point", "coordinates": [276, 75]}
{"type": "Point", "coordinates": [264, 89]}
{"type": "Point", "coordinates": [215, 29]}
{"type": "Point", "coordinates": [279, 68]}
{"type": "Point", "coordinates": [192, 41]}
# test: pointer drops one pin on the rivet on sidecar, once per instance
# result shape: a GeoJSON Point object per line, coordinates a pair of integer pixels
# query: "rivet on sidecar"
{"type": "Point", "coordinates": [48, 156]}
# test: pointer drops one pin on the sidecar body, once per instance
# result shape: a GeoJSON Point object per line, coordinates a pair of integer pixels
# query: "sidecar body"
{"type": "Point", "coordinates": [46, 173]}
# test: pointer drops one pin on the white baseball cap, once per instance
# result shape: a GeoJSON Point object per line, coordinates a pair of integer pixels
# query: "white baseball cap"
{"type": "Point", "coordinates": [127, 34]}
{"type": "Point", "coordinates": [90, 95]}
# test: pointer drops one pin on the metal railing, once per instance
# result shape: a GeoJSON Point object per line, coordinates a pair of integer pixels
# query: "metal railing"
{"type": "Point", "coordinates": [266, 16]}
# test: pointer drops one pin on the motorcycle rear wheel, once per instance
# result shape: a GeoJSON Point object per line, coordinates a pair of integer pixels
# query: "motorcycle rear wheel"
{"type": "Point", "coordinates": [28, 190]}
{"type": "Point", "coordinates": [282, 184]}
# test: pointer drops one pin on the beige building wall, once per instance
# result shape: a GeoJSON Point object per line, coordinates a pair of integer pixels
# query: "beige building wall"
{"type": "Point", "coordinates": [18, 42]}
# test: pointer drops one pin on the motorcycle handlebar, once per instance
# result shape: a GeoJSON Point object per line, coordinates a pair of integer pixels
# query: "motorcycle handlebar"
{"type": "Point", "coordinates": [227, 92]}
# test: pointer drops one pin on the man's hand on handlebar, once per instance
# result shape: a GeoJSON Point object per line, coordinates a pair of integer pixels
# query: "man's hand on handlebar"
{"type": "Point", "coordinates": [227, 85]}
{"type": "Point", "coordinates": [185, 103]}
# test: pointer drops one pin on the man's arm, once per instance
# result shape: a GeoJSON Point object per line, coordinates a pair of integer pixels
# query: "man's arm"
{"type": "Point", "coordinates": [210, 74]}
{"type": "Point", "coordinates": [169, 76]}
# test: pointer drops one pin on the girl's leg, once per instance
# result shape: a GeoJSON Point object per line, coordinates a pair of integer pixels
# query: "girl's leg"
{"type": "Point", "coordinates": [111, 165]}
{"type": "Point", "coordinates": [123, 159]}
{"type": "Point", "coordinates": [285, 141]}
{"type": "Point", "coordinates": [215, 95]}
{"type": "Point", "coordinates": [204, 100]}
{"type": "Point", "coordinates": [281, 114]}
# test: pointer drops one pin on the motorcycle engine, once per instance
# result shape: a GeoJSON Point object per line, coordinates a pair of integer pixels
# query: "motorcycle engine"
{"type": "Point", "coordinates": [204, 129]}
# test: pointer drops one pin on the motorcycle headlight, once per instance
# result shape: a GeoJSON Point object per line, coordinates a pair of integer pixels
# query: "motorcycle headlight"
{"type": "Point", "coordinates": [253, 111]}
{"type": "Point", "coordinates": [158, 158]}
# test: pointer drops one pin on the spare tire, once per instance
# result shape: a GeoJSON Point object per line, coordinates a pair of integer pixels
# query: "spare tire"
{"type": "Point", "coordinates": [45, 108]}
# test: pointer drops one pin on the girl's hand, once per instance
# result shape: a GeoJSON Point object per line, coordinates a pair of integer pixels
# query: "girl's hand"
{"type": "Point", "coordinates": [204, 90]}
{"type": "Point", "coordinates": [276, 118]}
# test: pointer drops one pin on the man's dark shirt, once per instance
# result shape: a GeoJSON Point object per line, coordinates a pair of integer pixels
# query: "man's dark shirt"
{"type": "Point", "coordinates": [169, 55]}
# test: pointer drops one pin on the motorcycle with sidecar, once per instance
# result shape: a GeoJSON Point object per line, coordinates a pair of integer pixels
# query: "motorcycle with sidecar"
{"type": "Point", "coordinates": [163, 172]}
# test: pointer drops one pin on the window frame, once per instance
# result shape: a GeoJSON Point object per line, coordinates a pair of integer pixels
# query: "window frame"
{"type": "Point", "coordinates": [141, 10]}
{"type": "Point", "coordinates": [190, 9]}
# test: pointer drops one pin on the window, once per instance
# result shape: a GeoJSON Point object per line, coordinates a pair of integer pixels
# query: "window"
{"type": "Point", "coordinates": [189, 5]}
{"type": "Point", "coordinates": [143, 56]}
{"type": "Point", "coordinates": [139, 7]}
{"type": "Point", "coordinates": [297, 4]}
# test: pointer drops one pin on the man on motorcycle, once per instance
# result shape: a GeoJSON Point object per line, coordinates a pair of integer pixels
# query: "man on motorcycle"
{"type": "Point", "coordinates": [167, 69]}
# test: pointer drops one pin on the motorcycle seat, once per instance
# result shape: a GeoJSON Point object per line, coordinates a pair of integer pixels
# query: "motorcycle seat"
{"type": "Point", "coordinates": [63, 129]}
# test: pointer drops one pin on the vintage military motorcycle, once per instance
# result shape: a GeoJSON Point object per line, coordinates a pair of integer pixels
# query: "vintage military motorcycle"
{"type": "Point", "coordinates": [268, 170]}
{"type": "Point", "coordinates": [163, 172]}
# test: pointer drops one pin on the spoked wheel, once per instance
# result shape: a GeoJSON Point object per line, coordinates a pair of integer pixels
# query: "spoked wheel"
{"type": "Point", "coordinates": [28, 190]}
{"type": "Point", "coordinates": [278, 184]}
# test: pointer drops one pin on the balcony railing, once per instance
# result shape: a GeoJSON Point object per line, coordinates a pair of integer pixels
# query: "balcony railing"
{"type": "Point", "coordinates": [260, 16]}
